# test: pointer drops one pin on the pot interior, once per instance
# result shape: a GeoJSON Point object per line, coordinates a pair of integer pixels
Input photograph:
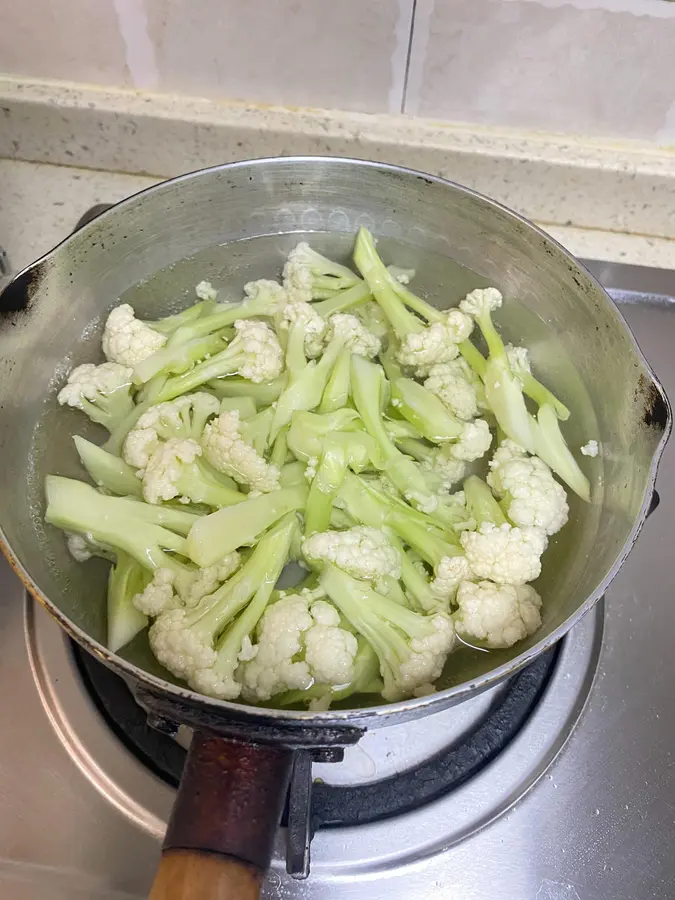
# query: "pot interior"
{"type": "Point", "coordinates": [235, 224]}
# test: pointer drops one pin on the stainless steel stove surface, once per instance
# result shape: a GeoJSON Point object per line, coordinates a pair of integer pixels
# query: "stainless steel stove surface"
{"type": "Point", "coordinates": [560, 786]}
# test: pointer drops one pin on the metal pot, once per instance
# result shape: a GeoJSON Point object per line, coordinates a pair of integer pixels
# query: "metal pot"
{"type": "Point", "coordinates": [236, 222]}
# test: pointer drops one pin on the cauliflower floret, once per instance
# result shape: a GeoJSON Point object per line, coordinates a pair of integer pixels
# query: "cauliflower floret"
{"type": "Point", "coordinates": [533, 498]}
{"type": "Point", "coordinates": [165, 467]}
{"type": "Point", "coordinates": [497, 615]}
{"type": "Point", "coordinates": [228, 452]}
{"type": "Point", "coordinates": [262, 356]}
{"type": "Point", "coordinates": [169, 590]}
{"type": "Point", "coordinates": [79, 548]}
{"type": "Point", "coordinates": [426, 503]}
{"type": "Point", "coordinates": [507, 451]}
{"type": "Point", "coordinates": [205, 291]}
{"type": "Point", "coordinates": [102, 392]}
{"type": "Point", "coordinates": [361, 551]}
{"type": "Point", "coordinates": [311, 467]}
{"type": "Point", "coordinates": [455, 384]}
{"type": "Point", "coordinates": [519, 359]}
{"type": "Point", "coordinates": [449, 573]}
{"type": "Point", "coordinates": [296, 310]}
{"type": "Point", "coordinates": [446, 466]}
{"type": "Point", "coordinates": [184, 417]}
{"type": "Point", "coordinates": [208, 579]}
{"type": "Point", "coordinates": [298, 275]}
{"type": "Point", "coordinates": [289, 630]}
{"type": "Point", "coordinates": [312, 274]}
{"type": "Point", "coordinates": [329, 649]}
{"type": "Point", "coordinates": [504, 554]}
{"type": "Point", "coordinates": [139, 446]}
{"type": "Point", "coordinates": [127, 340]}
{"type": "Point", "coordinates": [590, 449]}
{"type": "Point", "coordinates": [479, 300]}
{"type": "Point", "coordinates": [425, 664]}
{"type": "Point", "coordinates": [89, 382]}
{"type": "Point", "coordinates": [473, 442]}
{"type": "Point", "coordinates": [436, 344]}
{"type": "Point", "coordinates": [181, 650]}
{"type": "Point", "coordinates": [215, 683]}
{"type": "Point", "coordinates": [356, 336]}
{"type": "Point", "coordinates": [159, 595]}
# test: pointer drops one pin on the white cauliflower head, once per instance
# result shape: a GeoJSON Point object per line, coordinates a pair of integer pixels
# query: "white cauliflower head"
{"type": "Point", "coordinates": [79, 548]}
{"type": "Point", "coordinates": [519, 359]}
{"type": "Point", "coordinates": [496, 615]}
{"type": "Point", "coordinates": [311, 274]}
{"type": "Point", "coordinates": [205, 581]}
{"type": "Point", "coordinates": [180, 649]}
{"type": "Point", "coordinates": [533, 498]}
{"type": "Point", "coordinates": [261, 353]}
{"type": "Point", "coordinates": [165, 466]}
{"type": "Point", "coordinates": [425, 663]}
{"type": "Point", "coordinates": [299, 643]}
{"type": "Point", "coordinates": [171, 590]}
{"type": "Point", "coordinates": [89, 382]}
{"type": "Point", "coordinates": [355, 335]}
{"type": "Point", "coordinates": [329, 649]}
{"type": "Point", "coordinates": [361, 551]}
{"type": "Point", "coordinates": [218, 682]}
{"type": "Point", "coordinates": [443, 464]}
{"type": "Point", "coordinates": [159, 595]}
{"type": "Point", "coordinates": [458, 325]}
{"type": "Point", "coordinates": [297, 310]}
{"type": "Point", "coordinates": [473, 442]}
{"type": "Point", "coordinates": [455, 384]}
{"type": "Point", "coordinates": [205, 291]}
{"type": "Point", "coordinates": [449, 573]}
{"type": "Point", "coordinates": [184, 417]}
{"type": "Point", "coordinates": [481, 300]}
{"type": "Point", "coordinates": [503, 553]}
{"type": "Point", "coordinates": [422, 349]}
{"type": "Point", "coordinates": [228, 452]}
{"type": "Point", "coordinates": [127, 340]}
{"type": "Point", "coordinates": [592, 448]}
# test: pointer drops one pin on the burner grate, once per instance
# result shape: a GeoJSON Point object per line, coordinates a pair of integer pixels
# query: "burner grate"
{"type": "Point", "coordinates": [315, 805]}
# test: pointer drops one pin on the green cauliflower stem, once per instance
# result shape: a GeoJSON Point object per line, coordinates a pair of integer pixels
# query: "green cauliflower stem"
{"type": "Point", "coordinates": [368, 387]}
{"type": "Point", "coordinates": [107, 470]}
{"type": "Point", "coordinates": [149, 534]}
{"type": "Point", "coordinates": [219, 680]}
{"type": "Point", "coordinates": [196, 644]}
{"type": "Point", "coordinates": [218, 534]}
{"type": "Point", "coordinates": [254, 353]}
{"type": "Point", "coordinates": [308, 271]}
{"type": "Point", "coordinates": [126, 579]}
{"type": "Point", "coordinates": [503, 390]}
{"type": "Point", "coordinates": [412, 648]}
{"type": "Point", "coordinates": [264, 394]}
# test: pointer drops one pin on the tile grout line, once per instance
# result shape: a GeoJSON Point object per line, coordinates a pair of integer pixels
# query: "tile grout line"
{"type": "Point", "coordinates": [404, 93]}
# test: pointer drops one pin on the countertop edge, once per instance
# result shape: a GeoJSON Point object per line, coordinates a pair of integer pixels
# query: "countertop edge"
{"type": "Point", "coordinates": [562, 180]}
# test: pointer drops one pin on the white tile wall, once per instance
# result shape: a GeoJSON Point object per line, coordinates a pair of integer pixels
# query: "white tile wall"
{"type": "Point", "coordinates": [600, 67]}
{"type": "Point", "coordinates": [348, 54]}
{"type": "Point", "coordinates": [72, 40]}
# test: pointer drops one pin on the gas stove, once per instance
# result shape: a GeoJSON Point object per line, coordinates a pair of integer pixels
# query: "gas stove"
{"type": "Point", "coordinates": [558, 785]}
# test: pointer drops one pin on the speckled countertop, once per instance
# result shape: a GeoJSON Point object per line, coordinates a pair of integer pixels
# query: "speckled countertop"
{"type": "Point", "coordinates": [40, 204]}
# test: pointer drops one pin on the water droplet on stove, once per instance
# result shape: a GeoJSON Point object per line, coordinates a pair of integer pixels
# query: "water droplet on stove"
{"type": "Point", "coordinates": [596, 812]}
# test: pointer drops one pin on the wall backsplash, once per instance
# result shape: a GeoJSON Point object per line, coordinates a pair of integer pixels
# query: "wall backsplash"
{"type": "Point", "coordinates": [595, 67]}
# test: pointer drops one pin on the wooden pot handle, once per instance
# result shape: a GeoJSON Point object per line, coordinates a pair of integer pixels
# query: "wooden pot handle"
{"type": "Point", "coordinates": [190, 875]}
{"type": "Point", "coordinates": [222, 828]}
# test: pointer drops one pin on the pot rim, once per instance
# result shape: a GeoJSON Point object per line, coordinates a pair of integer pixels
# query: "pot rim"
{"type": "Point", "coordinates": [375, 715]}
